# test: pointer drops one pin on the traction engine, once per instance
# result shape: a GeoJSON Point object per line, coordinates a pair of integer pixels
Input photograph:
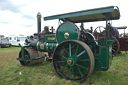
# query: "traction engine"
{"type": "Point", "coordinates": [74, 51]}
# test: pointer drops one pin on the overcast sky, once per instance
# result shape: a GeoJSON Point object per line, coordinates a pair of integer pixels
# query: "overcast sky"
{"type": "Point", "coordinates": [19, 16]}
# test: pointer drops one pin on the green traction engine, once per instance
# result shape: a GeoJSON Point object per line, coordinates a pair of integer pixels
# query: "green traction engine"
{"type": "Point", "coordinates": [73, 50]}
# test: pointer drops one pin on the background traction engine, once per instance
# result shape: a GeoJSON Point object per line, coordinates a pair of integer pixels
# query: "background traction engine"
{"type": "Point", "coordinates": [120, 43]}
{"type": "Point", "coordinates": [74, 51]}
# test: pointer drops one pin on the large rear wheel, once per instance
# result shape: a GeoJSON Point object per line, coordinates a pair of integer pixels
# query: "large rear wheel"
{"type": "Point", "coordinates": [115, 46]}
{"type": "Point", "coordinates": [73, 60]}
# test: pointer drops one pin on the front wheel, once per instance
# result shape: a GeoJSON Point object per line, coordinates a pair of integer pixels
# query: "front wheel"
{"type": "Point", "coordinates": [73, 60]}
{"type": "Point", "coordinates": [30, 53]}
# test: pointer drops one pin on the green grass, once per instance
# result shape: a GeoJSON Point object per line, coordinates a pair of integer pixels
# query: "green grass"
{"type": "Point", "coordinates": [9, 49]}
{"type": "Point", "coordinates": [44, 74]}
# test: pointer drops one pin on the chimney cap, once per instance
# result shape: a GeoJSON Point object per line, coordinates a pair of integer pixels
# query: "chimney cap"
{"type": "Point", "coordinates": [38, 14]}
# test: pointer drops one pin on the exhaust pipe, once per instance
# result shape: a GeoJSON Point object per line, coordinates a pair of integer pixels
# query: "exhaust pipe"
{"type": "Point", "coordinates": [39, 22]}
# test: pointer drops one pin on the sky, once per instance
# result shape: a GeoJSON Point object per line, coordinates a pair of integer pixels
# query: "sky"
{"type": "Point", "coordinates": [19, 16]}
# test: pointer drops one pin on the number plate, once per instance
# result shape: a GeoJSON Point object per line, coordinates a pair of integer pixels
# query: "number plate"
{"type": "Point", "coordinates": [7, 45]}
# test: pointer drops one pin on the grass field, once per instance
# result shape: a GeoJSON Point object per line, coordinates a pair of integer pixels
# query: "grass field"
{"type": "Point", "coordinates": [44, 74]}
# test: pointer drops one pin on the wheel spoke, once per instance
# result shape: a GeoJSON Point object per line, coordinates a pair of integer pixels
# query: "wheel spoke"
{"type": "Point", "coordinates": [99, 29]}
{"type": "Point", "coordinates": [65, 50]}
{"type": "Point", "coordinates": [63, 56]}
{"type": "Point", "coordinates": [80, 66]}
{"type": "Point", "coordinates": [64, 66]}
{"type": "Point", "coordinates": [79, 71]}
{"type": "Point", "coordinates": [70, 50]}
{"type": "Point", "coordinates": [114, 45]}
{"type": "Point", "coordinates": [81, 53]}
{"type": "Point", "coordinates": [76, 49]}
{"type": "Point", "coordinates": [113, 50]}
{"type": "Point", "coordinates": [73, 73]}
{"type": "Point", "coordinates": [84, 60]}
{"type": "Point", "coordinates": [62, 61]}
{"type": "Point", "coordinates": [69, 71]}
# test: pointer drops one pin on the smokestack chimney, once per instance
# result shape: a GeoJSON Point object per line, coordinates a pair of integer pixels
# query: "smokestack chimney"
{"type": "Point", "coordinates": [39, 22]}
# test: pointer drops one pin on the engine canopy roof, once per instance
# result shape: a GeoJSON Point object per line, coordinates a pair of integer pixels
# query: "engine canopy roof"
{"type": "Point", "coordinates": [122, 27]}
{"type": "Point", "coordinates": [98, 14]}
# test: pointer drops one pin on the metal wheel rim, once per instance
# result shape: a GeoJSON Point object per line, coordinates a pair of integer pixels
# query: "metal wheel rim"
{"type": "Point", "coordinates": [25, 63]}
{"type": "Point", "coordinates": [82, 74]}
{"type": "Point", "coordinates": [115, 47]}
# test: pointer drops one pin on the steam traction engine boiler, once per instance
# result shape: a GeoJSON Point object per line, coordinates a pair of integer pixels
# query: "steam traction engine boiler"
{"type": "Point", "coordinates": [75, 52]}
